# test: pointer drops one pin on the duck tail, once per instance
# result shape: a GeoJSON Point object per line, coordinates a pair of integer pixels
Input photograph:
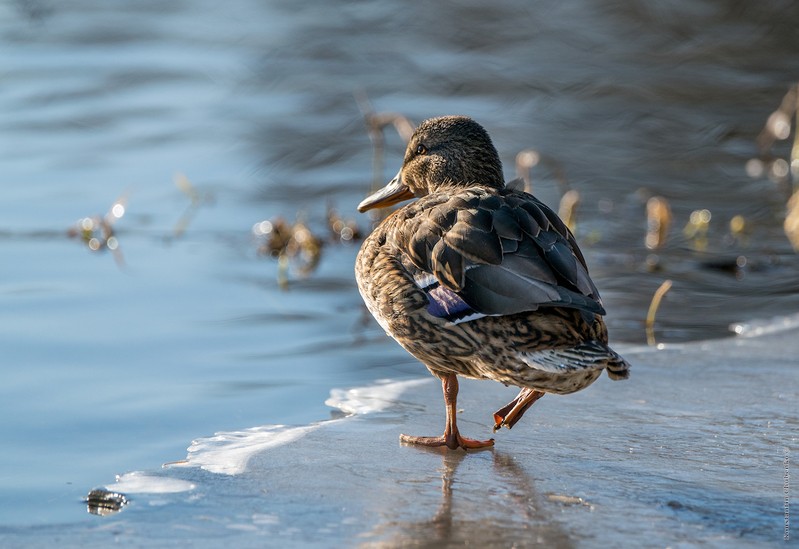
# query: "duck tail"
{"type": "Point", "coordinates": [617, 367]}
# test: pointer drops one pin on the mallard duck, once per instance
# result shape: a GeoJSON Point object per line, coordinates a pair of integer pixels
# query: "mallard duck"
{"type": "Point", "coordinates": [477, 279]}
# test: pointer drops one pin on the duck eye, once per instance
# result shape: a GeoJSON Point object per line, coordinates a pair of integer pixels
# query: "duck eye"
{"type": "Point", "coordinates": [421, 149]}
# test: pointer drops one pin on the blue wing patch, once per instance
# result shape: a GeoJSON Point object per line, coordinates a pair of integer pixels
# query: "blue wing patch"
{"type": "Point", "coordinates": [445, 303]}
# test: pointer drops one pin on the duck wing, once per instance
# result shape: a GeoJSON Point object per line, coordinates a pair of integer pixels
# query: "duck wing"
{"type": "Point", "coordinates": [479, 252]}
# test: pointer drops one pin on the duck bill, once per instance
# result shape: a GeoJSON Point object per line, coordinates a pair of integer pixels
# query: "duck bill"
{"type": "Point", "coordinates": [395, 191]}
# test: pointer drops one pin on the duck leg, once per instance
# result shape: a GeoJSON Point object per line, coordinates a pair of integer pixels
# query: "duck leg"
{"type": "Point", "coordinates": [451, 438]}
{"type": "Point", "coordinates": [513, 411]}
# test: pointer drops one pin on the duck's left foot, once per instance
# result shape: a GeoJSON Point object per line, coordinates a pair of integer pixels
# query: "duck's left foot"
{"type": "Point", "coordinates": [451, 441]}
{"type": "Point", "coordinates": [451, 438]}
{"type": "Point", "coordinates": [513, 411]}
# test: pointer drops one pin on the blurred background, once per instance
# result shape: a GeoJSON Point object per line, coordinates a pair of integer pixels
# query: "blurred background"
{"type": "Point", "coordinates": [179, 181]}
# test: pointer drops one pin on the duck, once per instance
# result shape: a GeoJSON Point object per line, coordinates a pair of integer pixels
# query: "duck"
{"type": "Point", "coordinates": [477, 279]}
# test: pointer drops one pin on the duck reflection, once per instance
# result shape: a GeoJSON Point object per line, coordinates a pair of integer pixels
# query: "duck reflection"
{"type": "Point", "coordinates": [487, 500]}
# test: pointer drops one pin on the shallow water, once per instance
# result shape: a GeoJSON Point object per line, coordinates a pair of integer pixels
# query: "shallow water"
{"type": "Point", "coordinates": [112, 365]}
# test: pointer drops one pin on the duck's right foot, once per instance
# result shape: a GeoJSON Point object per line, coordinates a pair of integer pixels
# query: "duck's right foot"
{"type": "Point", "coordinates": [513, 411]}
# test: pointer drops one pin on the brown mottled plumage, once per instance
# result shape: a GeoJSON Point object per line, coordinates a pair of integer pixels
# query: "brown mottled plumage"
{"type": "Point", "coordinates": [479, 280]}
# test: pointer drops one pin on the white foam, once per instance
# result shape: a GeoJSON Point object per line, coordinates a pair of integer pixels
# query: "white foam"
{"type": "Point", "coordinates": [371, 399]}
{"type": "Point", "coordinates": [138, 482]}
{"type": "Point", "coordinates": [228, 453]}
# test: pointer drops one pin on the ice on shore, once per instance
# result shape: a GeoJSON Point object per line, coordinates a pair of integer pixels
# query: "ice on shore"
{"type": "Point", "coordinates": [694, 449]}
{"type": "Point", "coordinates": [229, 452]}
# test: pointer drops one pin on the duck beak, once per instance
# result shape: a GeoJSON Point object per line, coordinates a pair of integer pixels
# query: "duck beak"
{"type": "Point", "coordinates": [395, 191]}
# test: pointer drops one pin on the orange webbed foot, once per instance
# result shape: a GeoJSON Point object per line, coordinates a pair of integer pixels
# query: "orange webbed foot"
{"type": "Point", "coordinates": [513, 411]}
{"type": "Point", "coordinates": [451, 441]}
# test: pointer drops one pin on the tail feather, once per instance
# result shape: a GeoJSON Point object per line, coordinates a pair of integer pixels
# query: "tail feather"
{"type": "Point", "coordinates": [618, 369]}
{"type": "Point", "coordinates": [590, 355]}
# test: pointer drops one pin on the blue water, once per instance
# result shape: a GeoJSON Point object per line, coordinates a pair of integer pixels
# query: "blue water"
{"type": "Point", "coordinates": [112, 363]}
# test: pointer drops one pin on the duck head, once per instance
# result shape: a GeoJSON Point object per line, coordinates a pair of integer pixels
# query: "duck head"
{"type": "Point", "coordinates": [448, 151]}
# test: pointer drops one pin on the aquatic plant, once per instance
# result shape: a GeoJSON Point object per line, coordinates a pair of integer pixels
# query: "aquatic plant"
{"type": "Point", "coordinates": [97, 232]}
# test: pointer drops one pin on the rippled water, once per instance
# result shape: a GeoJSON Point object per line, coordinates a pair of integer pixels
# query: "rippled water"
{"type": "Point", "coordinates": [111, 366]}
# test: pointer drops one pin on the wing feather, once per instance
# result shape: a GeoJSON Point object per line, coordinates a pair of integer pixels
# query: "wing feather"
{"type": "Point", "coordinates": [496, 254]}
